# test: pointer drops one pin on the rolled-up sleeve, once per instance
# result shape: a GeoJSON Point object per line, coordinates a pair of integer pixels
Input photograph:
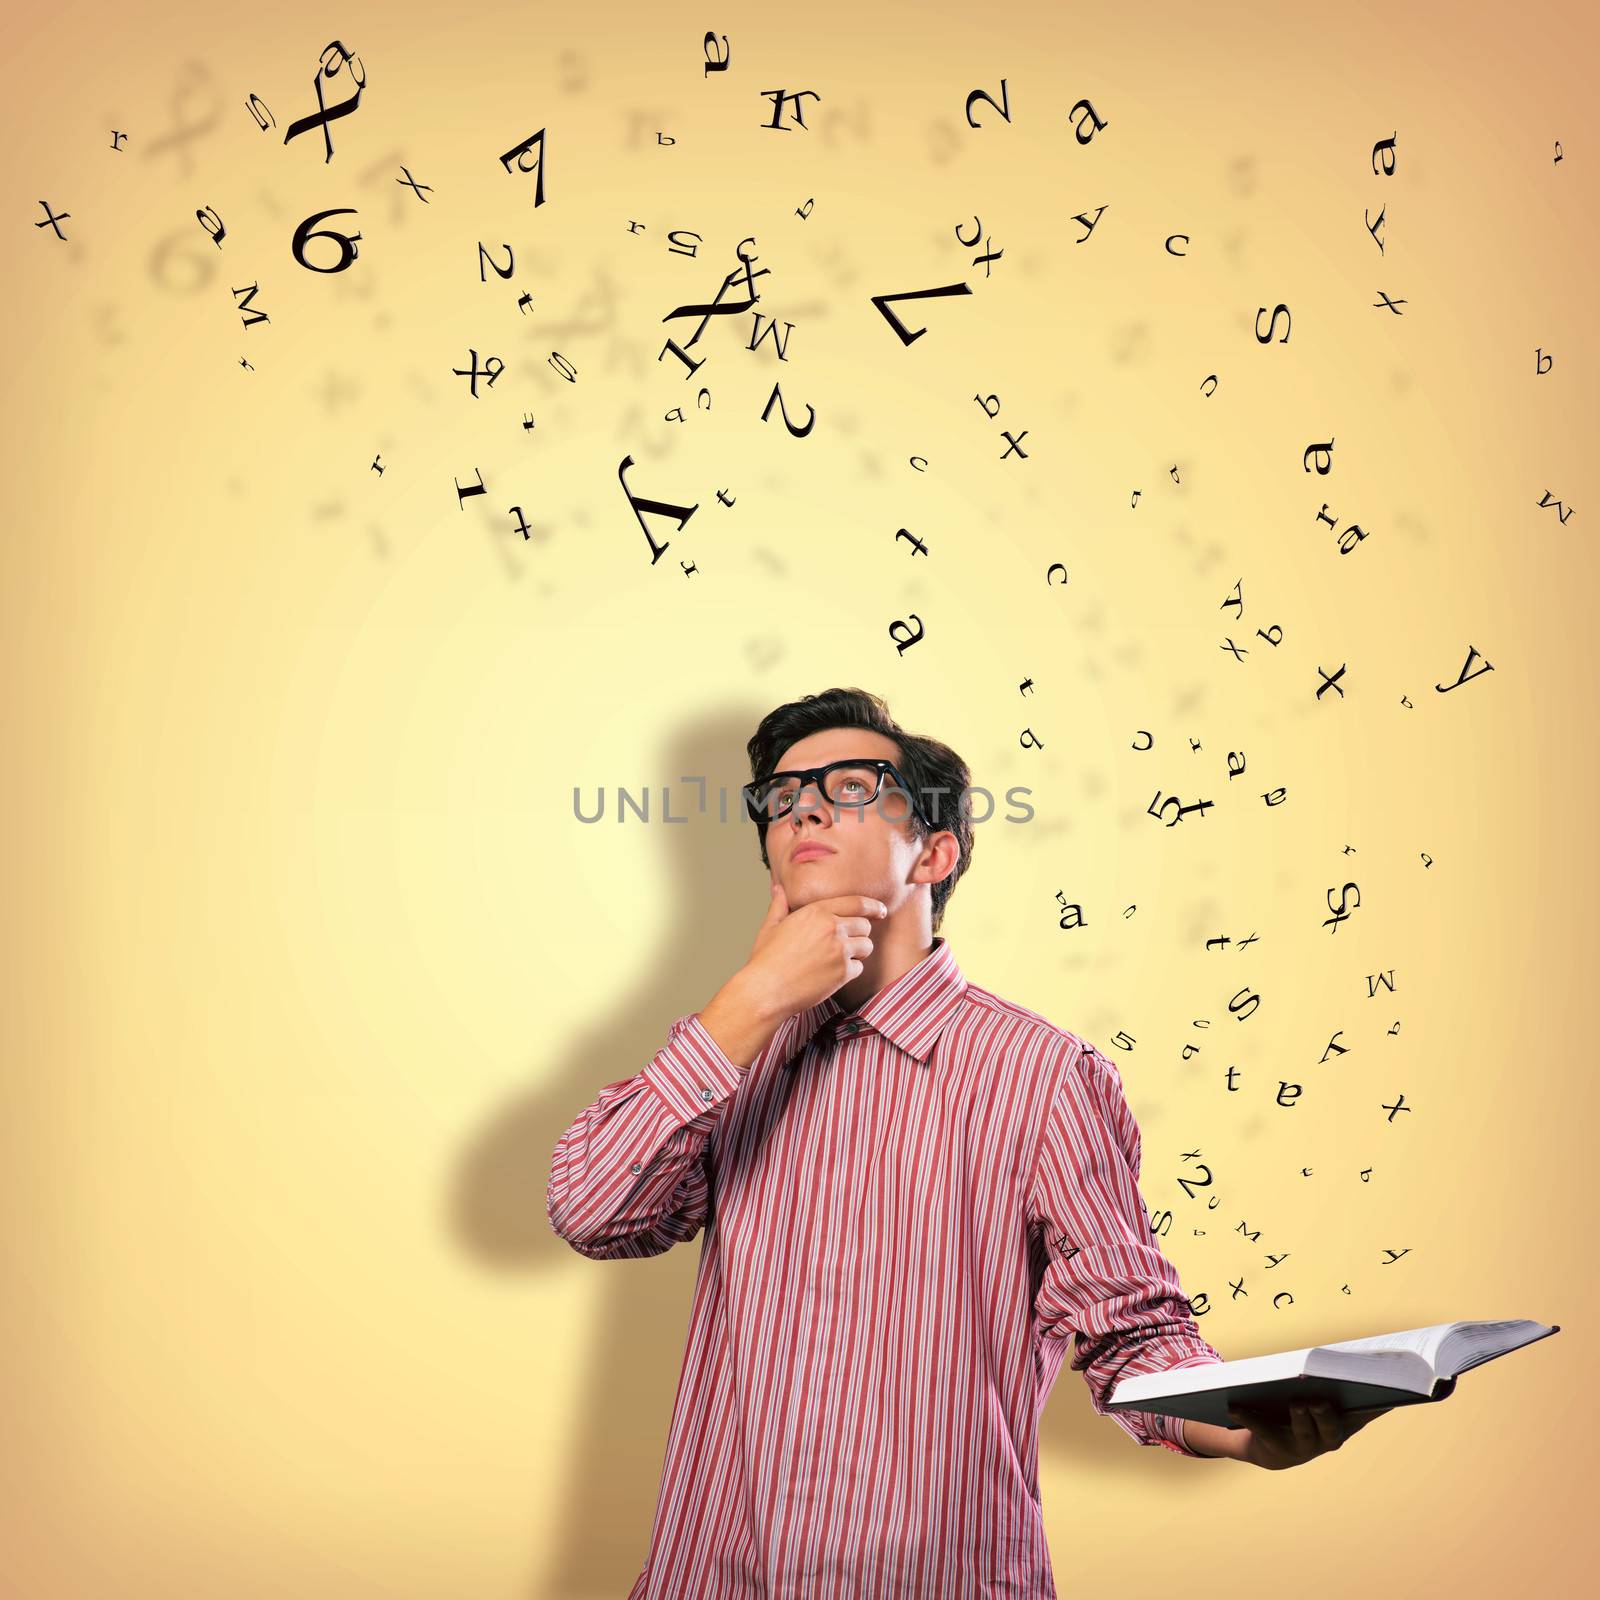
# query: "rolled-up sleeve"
{"type": "Point", "coordinates": [1105, 1279]}
{"type": "Point", "coordinates": [629, 1177]}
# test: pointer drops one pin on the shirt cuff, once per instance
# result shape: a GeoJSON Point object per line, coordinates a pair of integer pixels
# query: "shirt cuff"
{"type": "Point", "coordinates": [1169, 1430]}
{"type": "Point", "coordinates": [691, 1073]}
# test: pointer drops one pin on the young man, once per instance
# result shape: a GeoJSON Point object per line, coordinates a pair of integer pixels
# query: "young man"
{"type": "Point", "coordinates": [913, 1192]}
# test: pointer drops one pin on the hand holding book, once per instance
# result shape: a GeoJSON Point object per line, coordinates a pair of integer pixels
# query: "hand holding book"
{"type": "Point", "coordinates": [1298, 1403]}
{"type": "Point", "coordinates": [1287, 1437]}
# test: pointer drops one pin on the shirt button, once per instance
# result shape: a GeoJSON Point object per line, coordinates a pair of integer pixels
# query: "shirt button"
{"type": "Point", "coordinates": [705, 1094]}
{"type": "Point", "coordinates": [636, 1168]}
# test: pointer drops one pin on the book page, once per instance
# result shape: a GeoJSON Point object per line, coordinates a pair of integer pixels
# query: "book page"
{"type": "Point", "coordinates": [1424, 1341]}
{"type": "Point", "coordinates": [1210, 1375]}
{"type": "Point", "coordinates": [1477, 1342]}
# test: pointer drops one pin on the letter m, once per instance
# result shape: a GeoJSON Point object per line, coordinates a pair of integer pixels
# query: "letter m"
{"type": "Point", "coordinates": [1561, 511]}
{"type": "Point", "coordinates": [253, 316]}
{"type": "Point", "coordinates": [780, 342]}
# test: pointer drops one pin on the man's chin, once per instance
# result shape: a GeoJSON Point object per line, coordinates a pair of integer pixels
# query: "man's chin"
{"type": "Point", "coordinates": [814, 880]}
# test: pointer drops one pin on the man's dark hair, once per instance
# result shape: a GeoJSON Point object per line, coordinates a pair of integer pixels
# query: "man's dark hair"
{"type": "Point", "coordinates": [935, 774]}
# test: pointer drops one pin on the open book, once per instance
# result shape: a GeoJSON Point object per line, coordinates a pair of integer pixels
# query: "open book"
{"type": "Point", "coordinates": [1390, 1369]}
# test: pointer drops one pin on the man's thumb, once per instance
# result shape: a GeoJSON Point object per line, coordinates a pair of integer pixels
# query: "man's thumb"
{"type": "Point", "coordinates": [779, 907]}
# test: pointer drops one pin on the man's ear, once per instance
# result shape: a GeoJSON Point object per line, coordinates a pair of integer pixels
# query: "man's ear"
{"type": "Point", "coordinates": [933, 843]}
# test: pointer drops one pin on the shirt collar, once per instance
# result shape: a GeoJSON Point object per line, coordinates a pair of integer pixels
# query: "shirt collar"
{"type": "Point", "coordinates": [911, 1012]}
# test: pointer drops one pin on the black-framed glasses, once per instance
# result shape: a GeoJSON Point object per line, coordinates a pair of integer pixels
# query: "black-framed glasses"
{"type": "Point", "coordinates": [853, 784]}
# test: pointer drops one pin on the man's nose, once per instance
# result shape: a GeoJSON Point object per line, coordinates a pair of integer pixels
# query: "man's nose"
{"type": "Point", "coordinates": [806, 808]}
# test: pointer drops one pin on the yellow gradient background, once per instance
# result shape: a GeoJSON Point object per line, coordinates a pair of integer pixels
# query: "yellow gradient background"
{"type": "Point", "coordinates": [310, 961]}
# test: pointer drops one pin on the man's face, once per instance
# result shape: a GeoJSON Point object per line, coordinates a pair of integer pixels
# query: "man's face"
{"type": "Point", "coordinates": [866, 849]}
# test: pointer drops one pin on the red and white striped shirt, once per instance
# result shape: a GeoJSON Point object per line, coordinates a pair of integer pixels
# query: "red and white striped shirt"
{"type": "Point", "coordinates": [909, 1209]}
